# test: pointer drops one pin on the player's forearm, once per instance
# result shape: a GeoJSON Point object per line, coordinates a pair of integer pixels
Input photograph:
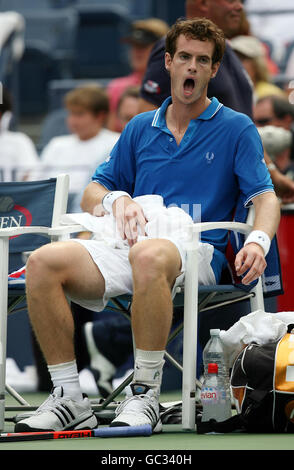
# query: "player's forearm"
{"type": "Point", "coordinates": [267, 213]}
{"type": "Point", "coordinates": [92, 198]}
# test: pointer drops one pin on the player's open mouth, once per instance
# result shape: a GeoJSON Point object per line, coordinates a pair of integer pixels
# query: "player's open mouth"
{"type": "Point", "coordinates": [189, 85]}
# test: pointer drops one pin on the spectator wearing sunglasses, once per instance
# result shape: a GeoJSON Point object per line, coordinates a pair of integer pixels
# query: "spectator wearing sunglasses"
{"type": "Point", "coordinates": [278, 113]}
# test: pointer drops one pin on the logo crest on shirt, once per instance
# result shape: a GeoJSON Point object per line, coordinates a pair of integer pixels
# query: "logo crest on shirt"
{"type": "Point", "coordinates": [151, 87]}
{"type": "Point", "coordinates": [209, 157]}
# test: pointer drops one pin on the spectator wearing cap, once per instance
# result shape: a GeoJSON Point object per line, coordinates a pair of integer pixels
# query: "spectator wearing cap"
{"type": "Point", "coordinates": [252, 53]}
{"type": "Point", "coordinates": [142, 37]}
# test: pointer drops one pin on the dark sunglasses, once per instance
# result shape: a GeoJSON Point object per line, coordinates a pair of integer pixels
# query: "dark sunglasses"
{"type": "Point", "coordinates": [263, 122]}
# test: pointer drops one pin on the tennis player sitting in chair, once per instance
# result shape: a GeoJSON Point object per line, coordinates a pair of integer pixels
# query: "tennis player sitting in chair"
{"type": "Point", "coordinates": [192, 150]}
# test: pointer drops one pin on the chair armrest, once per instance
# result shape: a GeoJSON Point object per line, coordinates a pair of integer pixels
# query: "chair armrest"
{"type": "Point", "coordinates": [206, 226]}
{"type": "Point", "coordinates": [66, 229]}
{"type": "Point", "coordinates": [74, 228]}
{"type": "Point", "coordinates": [13, 231]}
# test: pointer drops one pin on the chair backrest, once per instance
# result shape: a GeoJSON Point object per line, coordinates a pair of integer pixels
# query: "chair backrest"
{"type": "Point", "coordinates": [39, 203]}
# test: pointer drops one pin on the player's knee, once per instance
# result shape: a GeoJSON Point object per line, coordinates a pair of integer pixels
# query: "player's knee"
{"type": "Point", "coordinates": [39, 265]}
{"type": "Point", "coordinates": [148, 262]}
{"type": "Point", "coordinates": [35, 260]}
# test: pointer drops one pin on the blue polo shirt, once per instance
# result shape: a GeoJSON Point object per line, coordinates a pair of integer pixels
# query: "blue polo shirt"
{"type": "Point", "coordinates": [219, 159]}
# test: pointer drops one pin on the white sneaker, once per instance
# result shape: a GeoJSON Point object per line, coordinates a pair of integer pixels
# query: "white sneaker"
{"type": "Point", "coordinates": [59, 413]}
{"type": "Point", "coordinates": [140, 407]}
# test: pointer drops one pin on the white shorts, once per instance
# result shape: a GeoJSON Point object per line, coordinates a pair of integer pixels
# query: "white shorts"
{"type": "Point", "coordinates": [115, 267]}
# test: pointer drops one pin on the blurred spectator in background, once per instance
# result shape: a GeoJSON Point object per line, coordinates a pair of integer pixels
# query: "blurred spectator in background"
{"type": "Point", "coordinates": [18, 155]}
{"type": "Point", "coordinates": [252, 54]}
{"type": "Point", "coordinates": [89, 144]}
{"type": "Point", "coordinates": [128, 105]}
{"type": "Point", "coordinates": [142, 37]}
{"type": "Point", "coordinates": [278, 142]}
{"type": "Point", "coordinates": [244, 28]}
{"type": "Point", "coordinates": [277, 113]}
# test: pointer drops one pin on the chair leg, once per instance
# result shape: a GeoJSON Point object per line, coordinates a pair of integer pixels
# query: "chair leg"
{"type": "Point", "coordinates": [16, 395]}
{"type": "Point", "coordinates": [115, 392]}
{"type": "Point", "coordinates": [190, 338]}
{"type": "Point", "coordinates": [4, 243]}
{"type": "Point", "coordinates": [257, 301]}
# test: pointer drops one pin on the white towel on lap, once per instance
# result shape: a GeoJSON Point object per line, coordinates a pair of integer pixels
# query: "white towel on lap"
{"type": "Point", "coordinates": [162, 222]}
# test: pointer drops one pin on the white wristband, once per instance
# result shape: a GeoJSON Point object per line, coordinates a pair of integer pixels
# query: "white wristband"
{"type": "Point", "coordinates": [261, 238]}
{"type": "Point", "coordinates": [110, 198]}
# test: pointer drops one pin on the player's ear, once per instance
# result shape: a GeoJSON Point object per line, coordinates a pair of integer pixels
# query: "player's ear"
{"type": "Point", "coordinates": [168, 60]}
{"type": "Point", "coordinates": [214, 69]}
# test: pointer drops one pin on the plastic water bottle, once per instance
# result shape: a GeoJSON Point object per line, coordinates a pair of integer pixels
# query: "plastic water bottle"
{"type": "Point", "coordinates": [215, 401]}
{"type": "Point", "coordinates": [214, 353]}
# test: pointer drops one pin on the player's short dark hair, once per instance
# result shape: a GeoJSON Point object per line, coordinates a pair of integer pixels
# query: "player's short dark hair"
{"type": "Point", "coordinates": [197, 28]}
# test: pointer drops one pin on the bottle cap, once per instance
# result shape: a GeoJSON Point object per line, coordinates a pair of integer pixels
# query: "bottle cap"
{"type": "Point", "coordinates": [215, 331]}
{"type": "Point", "coordinates": [212, 368]}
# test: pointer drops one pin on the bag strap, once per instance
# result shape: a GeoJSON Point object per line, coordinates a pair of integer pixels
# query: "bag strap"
{"type": "Point", "coordinates": [235, 423]}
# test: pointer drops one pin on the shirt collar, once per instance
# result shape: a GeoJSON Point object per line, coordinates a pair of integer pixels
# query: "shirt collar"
{"type": "Point", "coordinates": [208, 113]}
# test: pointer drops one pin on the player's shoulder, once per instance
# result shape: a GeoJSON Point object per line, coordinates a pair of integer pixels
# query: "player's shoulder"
{"type": "Point", "coordinates": [232, 116]}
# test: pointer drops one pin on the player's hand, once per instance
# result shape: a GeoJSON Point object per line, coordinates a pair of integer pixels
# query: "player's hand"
{"type": "Point", "coordinates": [250, 258]}
{"type": "Point", "coordinates": [129, 218]}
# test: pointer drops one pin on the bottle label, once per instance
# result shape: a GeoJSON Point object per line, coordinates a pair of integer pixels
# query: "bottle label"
{"type": "Point", "coordinates": [211, 395]}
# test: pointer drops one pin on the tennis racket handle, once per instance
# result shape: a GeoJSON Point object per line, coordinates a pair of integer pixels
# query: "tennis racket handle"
{"type": "Point", "coordinates": [122, 431]}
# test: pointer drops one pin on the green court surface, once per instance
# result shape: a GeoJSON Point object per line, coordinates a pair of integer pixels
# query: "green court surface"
{"type": "Point", "coordinates": [171, 439]}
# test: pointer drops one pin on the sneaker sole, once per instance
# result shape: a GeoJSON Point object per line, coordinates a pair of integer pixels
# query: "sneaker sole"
{"type": "Point", "coordinates": [157, 428]}
{"type": "Point", "coordinates": [89, 422]}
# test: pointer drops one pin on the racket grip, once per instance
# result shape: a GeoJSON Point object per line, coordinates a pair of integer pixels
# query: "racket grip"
{"type": "Point", "coordinates": [122, 431]}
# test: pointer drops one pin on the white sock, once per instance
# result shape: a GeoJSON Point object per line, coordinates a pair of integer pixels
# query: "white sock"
{"type": "Point", "coordinates": [148, 368]}
{"type": "Point", "coordinates": [66, 375]}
